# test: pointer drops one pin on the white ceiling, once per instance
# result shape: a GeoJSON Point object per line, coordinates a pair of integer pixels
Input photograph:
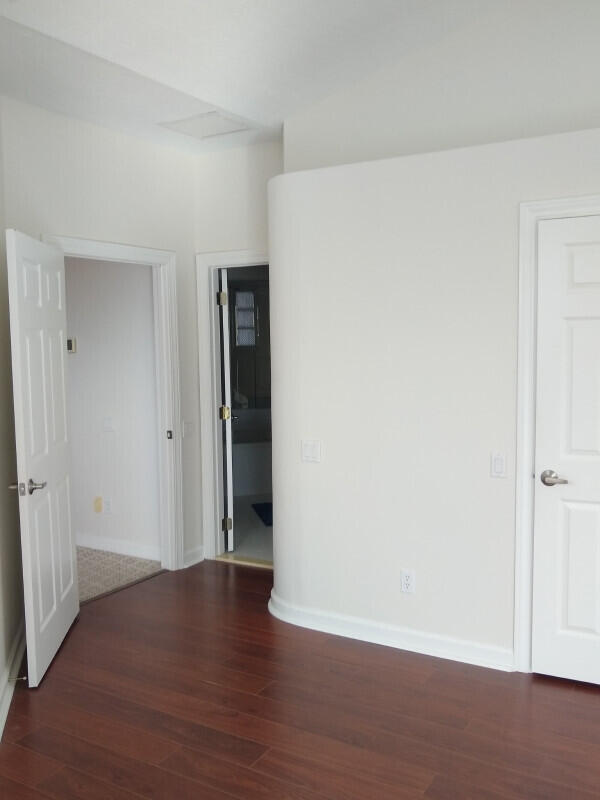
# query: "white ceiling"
{"type": "Point", "coordinates": [142, 65]}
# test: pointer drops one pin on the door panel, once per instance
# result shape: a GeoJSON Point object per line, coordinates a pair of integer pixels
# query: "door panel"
{"type": "Point", "coordinates": [227, 432]}
{"type": "Point", "coordinates": [566, 591]}
{"type": "Point", "coordinates": [38, 340]}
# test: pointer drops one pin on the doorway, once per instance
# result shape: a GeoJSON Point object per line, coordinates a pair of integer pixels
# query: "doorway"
{"type": "Point", "coordinates": [41, 347]}
{"type": "Point", "coordinates": [245, 414]}
{"type": "Point", "coordinates": [557, 597]}
{"type": "Point", "coordinates": [112, 397]}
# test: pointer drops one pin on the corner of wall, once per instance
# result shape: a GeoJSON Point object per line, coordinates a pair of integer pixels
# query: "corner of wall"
{"type": "Point", "coordinates": [12, 641]}
{"type": "Point", "coordinates": [9, 673]}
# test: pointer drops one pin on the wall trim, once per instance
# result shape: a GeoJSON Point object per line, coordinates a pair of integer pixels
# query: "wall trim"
{"type": "Point", "coordinates": [531, 214]}
{"type": "Point", "coordinates": [193, 556]}
{"type": "Point", "coordinates": [124, 547]}
{"type": "Point", "coordinates": [167, 369]}
{"type": "Point", "coordinates": [429, 644]}
{"type": "Point", "coordinates": [209, 388]}
{"type": "Point", "coordinates": [7, 687]}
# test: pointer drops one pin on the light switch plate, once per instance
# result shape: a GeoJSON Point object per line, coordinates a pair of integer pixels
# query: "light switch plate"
{"type": "Point", "coordinates": [497, 465]}
{"type": "Point", "coordinates": [311, 450]}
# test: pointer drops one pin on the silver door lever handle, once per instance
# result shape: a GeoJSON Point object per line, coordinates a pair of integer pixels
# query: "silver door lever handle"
{"type": "Point", "coordinates": [32, 486]}
{"type": "Point", "coordinates": [550, 478]}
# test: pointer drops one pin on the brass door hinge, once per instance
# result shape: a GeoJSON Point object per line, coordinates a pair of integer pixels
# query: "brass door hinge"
{"type": "Point", "coordinates": [224, 412]}
{"type": "Point", "coordinates": [227, 523]}
{"type": "Point", "coordinates": [221, 298]}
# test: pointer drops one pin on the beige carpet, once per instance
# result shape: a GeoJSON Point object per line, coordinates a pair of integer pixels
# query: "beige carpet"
{"type": "Point", "coordinates": [101, 572]}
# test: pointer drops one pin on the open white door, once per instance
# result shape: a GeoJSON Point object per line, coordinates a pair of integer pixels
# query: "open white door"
{"type": "Point", "coordinates": [225, 412]}
{"type": "Point", "coordinates": [566, 580]}
{"type": "Point", "coordinates": [36, 282]}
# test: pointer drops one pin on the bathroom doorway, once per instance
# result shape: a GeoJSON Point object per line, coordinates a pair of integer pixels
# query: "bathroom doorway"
{"type": "Point", "coordinates": [245, 414]}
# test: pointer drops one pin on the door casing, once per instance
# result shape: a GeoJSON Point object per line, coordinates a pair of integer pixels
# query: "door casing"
{"type": "Point", "coordinates": [531, 214]}
{"type": "Point", "coordinates": [167, 372]}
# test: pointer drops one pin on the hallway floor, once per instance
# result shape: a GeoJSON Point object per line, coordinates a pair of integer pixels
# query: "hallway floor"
{"type": "Point", "coordinates": [183, 686]}
{"type": "Point", "coordinates": [253, 539]}
{"type": "Point", "coordinates": [100, 572]}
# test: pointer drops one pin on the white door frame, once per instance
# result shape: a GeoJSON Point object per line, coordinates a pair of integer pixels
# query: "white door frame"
{"type": "Point", "coordinates": [531, 214]}
{"type": "Point", "coordinates": [167, 373]}
{"type": "Point", "coordinates": [207, 266]}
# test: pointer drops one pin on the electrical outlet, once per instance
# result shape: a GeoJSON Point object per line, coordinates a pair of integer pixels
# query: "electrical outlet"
{"type": "Point", "coordinates": [408, 581]}
{"type": "Point", "coordinates": [107, 506]}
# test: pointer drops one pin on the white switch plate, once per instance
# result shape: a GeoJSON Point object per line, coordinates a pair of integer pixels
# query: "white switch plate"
{"type": "Point", "coordinates": [497, 465]}
{"type": "Point", "coordinates": [311, 450]}
{"type": "Point", "coordinates": [108, 425]}
{"type": "Point", "coordinates": [107, 505]}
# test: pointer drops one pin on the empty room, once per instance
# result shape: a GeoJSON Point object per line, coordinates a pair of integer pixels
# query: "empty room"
{"type": "Point", "coordinates": [300, 309]}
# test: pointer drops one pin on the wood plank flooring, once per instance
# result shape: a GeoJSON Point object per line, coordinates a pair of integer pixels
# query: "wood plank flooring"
{"type": "Point", "coordinates": [185, 687]}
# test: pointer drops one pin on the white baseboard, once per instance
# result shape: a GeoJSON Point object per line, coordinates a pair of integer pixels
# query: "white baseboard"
{"type": "Point", "coordinates": [193, 556]}
{"type": "Point", "coordinates": [393, 636]}
{"type": "Point", "coordinates": [120, 546]}
{"type": "Point", "coordinates": [7, 687]}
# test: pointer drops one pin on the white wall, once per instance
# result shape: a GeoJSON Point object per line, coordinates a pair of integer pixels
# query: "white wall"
{"type": "Point", "coordinates": [519, 69]}
{"type": "Point", "coordinates": [394, 319]}
{"type": "Point", "coordinates": [231, 197]}
{"type": "Point", "coordinates": [67, 177]}
{"type": "Point", "coordinates": [11, 592]}
{"type": "Point", "coordinates": [112, 407]}
{"type": "Point", "coordinates": [231, 203]}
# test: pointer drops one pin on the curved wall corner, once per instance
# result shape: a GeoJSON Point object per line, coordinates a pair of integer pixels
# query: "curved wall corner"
{"type": "Point", "coordinates": [394, 313]}
{"type": "Point", "coordinates": [383, 328]}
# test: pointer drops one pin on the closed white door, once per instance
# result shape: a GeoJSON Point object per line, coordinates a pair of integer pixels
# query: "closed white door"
{"type": "Point", "coordinates": [36, 280]}
{"type": "Point", "coordinates": [566, 588]}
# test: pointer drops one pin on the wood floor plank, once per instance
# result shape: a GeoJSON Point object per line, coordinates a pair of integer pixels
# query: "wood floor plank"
{"type": "Point", "coordinates": [241, 782]}
{"type": "Point", "coordinates": [119, 771]}
{"type": "Point", "coordinates": [101, 730]}
{"type": "Point", "coordinates": [244, 725]}
{"type": "Point", "coordinates": [24, 766]}
{"type": "Point", "coordinates": [70, 784]}
{"type": "Point", "coordinates": [150, 719]}
{"type": "Point", "coordinates": [185, 686]}
{"type": "Point", "coordinates": [17, 725]}
{"type": "Point", "coordinates": [11, 790]}
{"type": "Point", "coordinates": [338, 783]}
{"type": "Point", "coordinates": [421, 729]}
{"type": "Point", "coordinates": [504, 786]}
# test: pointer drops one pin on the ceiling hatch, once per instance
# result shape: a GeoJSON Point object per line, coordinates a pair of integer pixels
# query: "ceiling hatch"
{"type": "Point", "coordinates": [204, 126]}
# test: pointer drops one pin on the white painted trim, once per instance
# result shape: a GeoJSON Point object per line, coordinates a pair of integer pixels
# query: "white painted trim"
{"type": "Point", "coordinates": [207, 265]}
{"type": "Point", "coordinates": [531, 214]}
{"type": "Point", "coordinates": [194, 556]}
{"type": "Point", "coordinates": [167, 371]}
{"type": "Point", "coordinates": [7, 686]}
{"type": "Point", "coordinates": [366, 630]}
{"type": "Point", "coordinates": [123, 547]}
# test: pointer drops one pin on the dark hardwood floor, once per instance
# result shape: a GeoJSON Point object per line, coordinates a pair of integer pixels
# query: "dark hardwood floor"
{"type": "Point", "coordinates": [185, 687]}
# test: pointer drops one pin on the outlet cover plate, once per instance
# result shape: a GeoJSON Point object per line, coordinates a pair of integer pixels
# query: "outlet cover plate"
{"type": "Point", "coordinates": [408, 581]}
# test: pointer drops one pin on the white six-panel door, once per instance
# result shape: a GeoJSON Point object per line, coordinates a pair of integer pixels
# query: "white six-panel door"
{"type": "Point", "coordinates": [566, 587]}
{"type": "Point", "coordinates": [36, 277]}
